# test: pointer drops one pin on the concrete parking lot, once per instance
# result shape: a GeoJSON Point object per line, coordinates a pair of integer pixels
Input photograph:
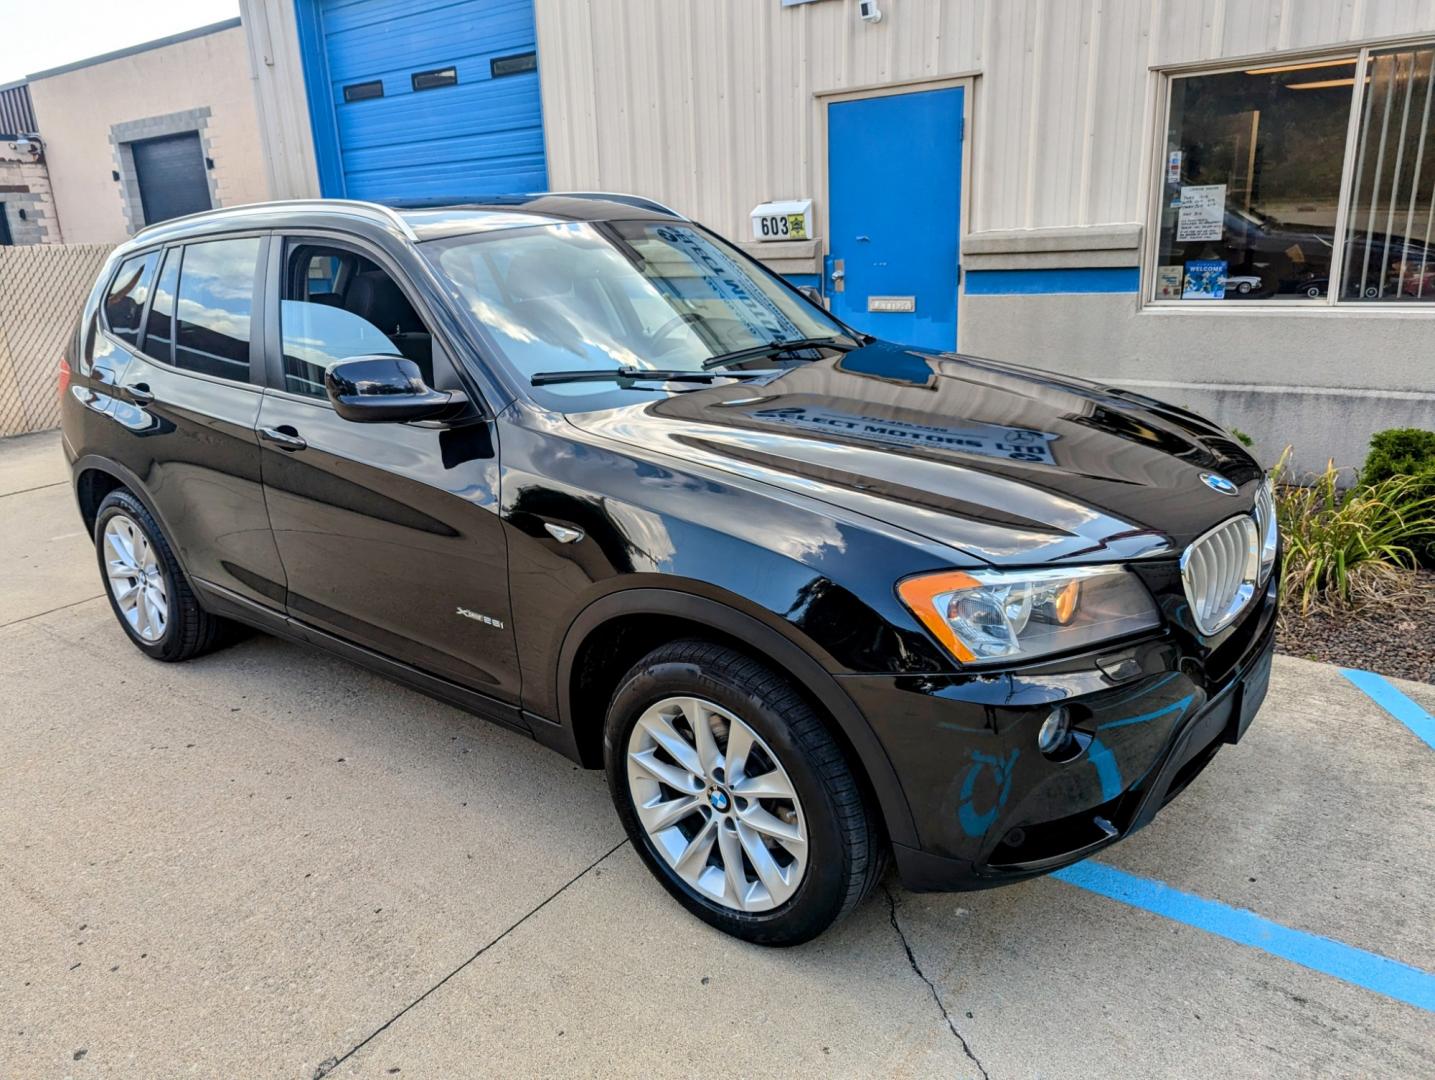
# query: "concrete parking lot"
{"type": "Point", "coordinates": [269, 863]}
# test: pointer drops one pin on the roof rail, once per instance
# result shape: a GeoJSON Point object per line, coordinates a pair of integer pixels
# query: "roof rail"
{"type": "Point", "coordinates": [387, 212]}
{"type": "Point", "coordinates": [431, 202]}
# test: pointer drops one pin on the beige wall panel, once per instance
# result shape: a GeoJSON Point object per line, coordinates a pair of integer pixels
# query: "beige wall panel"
{"type": "Point", "coordinates": [76, 109]}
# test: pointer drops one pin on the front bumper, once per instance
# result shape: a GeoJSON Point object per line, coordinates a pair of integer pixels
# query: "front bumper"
{"type": "Point", "coordinates": [990, 808]}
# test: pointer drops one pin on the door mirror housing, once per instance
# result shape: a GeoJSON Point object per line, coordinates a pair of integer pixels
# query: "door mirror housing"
{"type": "Point", "coordinates": [387, 389]}
{"type": "Point", "coordinates": [812, 294]}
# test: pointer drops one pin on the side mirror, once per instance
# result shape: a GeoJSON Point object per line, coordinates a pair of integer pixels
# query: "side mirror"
{"type": "Point", "coordinates": [387, 389]}
{"type": "Point", "coordinates": [811, 294]}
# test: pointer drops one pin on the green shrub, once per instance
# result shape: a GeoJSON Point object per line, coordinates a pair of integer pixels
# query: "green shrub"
{"type": "Point", "coordinates": [1347, 546]}
{"type": "Point", "coordinates": [1405, 452]}
{"type": "Point", "coordinates": [1399, 452]}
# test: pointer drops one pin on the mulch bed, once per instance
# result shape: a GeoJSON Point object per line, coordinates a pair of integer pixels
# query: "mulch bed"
{"type": "Point", "coordinates": [1393, 637]}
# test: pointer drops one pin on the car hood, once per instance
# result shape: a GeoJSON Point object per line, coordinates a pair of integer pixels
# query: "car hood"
{"type": "Point", "coordinates": [1011, 465]}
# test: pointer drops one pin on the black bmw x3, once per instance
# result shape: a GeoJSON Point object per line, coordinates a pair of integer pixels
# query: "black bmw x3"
{"type": "Point", "coordinates": [815, 601]}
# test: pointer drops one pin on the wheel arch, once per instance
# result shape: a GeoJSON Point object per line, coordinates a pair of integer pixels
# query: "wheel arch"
{"type": "Point", "coordinates": [661, 613]}
{"type": "Point", "coordinates": [95, 477]}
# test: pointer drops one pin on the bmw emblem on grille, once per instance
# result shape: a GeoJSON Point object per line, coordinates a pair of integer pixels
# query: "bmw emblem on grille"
{"type": "Point", "coordinates": [1217, 482]}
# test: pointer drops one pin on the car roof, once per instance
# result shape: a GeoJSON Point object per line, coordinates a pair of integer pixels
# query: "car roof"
{"type": "Point", "coordinates": [417, 220]}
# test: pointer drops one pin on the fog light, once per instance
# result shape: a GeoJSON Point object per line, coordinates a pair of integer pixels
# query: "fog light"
{"type": "Point", "coordinates": [1054, 731]}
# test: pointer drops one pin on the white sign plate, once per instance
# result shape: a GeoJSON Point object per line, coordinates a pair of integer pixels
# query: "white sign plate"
{"type": "Point", "coordinates": [1203, 213]}
{"type": "Point", "coordinates": [891, 303]}
{"type": "Point", "coordinates": [789, 219]}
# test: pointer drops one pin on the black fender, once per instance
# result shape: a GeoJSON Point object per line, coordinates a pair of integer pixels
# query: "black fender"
{"type": "Point", "coordinates": [872, 759]}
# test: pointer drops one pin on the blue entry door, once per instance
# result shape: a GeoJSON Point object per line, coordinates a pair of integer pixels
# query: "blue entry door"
{"type": "Point", "coordinates": [894, 186]}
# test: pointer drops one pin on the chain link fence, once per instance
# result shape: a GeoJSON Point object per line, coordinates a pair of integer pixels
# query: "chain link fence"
{"type": "Point", "coordinates": [41, 289]}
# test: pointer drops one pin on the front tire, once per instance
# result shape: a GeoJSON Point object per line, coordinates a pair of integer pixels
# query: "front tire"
{"type": "Point", "coordinates": [737, 796]}
{"type": "Point", "coordinates": [146, 586]}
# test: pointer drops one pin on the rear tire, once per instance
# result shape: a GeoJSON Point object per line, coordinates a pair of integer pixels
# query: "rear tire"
{"type": "Point", "coordinates": [773, 788]}
{"type": "Point", "coordinates": [146, 586]}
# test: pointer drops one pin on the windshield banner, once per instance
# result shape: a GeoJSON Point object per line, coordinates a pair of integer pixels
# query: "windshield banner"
{"type": "Point", "coordinates": [727, 280]}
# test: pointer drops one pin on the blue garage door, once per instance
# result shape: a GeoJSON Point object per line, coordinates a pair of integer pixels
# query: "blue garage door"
{"type": "Point", "coordinates": [423, 98]}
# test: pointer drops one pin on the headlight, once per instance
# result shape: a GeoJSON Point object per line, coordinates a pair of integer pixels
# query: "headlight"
{"type": "Point", "coordinates": [982, 616]}
{"type": "Point", "coordinates": [1267, 526]}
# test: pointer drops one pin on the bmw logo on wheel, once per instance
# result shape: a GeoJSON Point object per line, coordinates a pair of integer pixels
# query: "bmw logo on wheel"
{"type": "Point", "coordinates": [1216, 482]}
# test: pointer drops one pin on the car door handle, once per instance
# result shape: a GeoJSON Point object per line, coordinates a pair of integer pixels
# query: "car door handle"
{"type": "Point", "coordinates": [285, 438]}
{"type": "Point", "coordinates": [140, 394]}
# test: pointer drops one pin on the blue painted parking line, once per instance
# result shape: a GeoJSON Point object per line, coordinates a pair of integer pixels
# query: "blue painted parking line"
{"type": "Point", "coordinates": [1385, 695]}
{"type": "Point", "coordinates": [1365, 969]}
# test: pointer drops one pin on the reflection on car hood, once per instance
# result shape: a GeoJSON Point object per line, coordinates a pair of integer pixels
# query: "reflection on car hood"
{"type": "Point", "coordinates": [1011, 465]}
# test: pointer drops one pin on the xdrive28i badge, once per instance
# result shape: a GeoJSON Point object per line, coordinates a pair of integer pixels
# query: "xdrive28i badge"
{"type": "Point", "coordinates": [1216, 482]}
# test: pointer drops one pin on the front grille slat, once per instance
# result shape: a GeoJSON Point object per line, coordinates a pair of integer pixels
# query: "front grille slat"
{"type": "Point", "coordinates": [1219, 572]}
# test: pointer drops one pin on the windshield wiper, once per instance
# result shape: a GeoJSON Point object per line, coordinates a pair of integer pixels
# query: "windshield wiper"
{"type": "Point", "coordinates": [543, 378]}
{"type": "Point", "coordinates": [777, 348]}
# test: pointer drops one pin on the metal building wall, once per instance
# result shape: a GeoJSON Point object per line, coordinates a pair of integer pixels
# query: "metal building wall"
{"type": "Point", "coordinates": [278, 78]}
{"type": "Point", "coordinates": [712, 106]}
{"type": "Point", "coordinates": [716, 105]}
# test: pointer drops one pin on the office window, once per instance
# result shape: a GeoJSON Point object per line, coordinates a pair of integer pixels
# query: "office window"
{"type": "Point", "coordinates": [1388, 239]}
{"type": "Point", "coordinates": [1265, 196]}
{"type": "Point", "coordinates": [216, 295]}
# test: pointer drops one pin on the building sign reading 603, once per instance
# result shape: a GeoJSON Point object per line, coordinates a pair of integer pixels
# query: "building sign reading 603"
{"type": "Point", "coordinates": [783, 226]}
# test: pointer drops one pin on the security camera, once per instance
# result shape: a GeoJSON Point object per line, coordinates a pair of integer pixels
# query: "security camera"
{"type": "Point", "coordinates": [869, 11]}
{"type": "Point", "coordinates": [28, 144]}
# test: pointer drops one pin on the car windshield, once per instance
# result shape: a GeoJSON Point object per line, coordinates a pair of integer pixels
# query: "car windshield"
{"type": "Point", "coordinates": [594, 296]}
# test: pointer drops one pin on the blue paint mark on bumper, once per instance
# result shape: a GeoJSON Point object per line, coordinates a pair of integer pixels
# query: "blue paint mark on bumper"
{"type": "Point", "coordinates": [1108, 772]}
{"type": "Point", "coordinates": [1356, 966]}
{"type": "Point", "coordinates": [1385, 695]}
{"type": "Point", "coordinates": [1144, 717]}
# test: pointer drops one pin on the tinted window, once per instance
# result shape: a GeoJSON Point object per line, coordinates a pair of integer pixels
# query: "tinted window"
{"type": "Point", "coordinates": [315, 335]}
{"type": "Point", "coordinates": [159, 330]}
{"type": "Point", "coordinates": [321, 275]}
{"type": "Point", "coordinates": [338, 305]}
{"type": "Point", "coordinates": [124, 303]}
{"type": "Point", "coordinates": [582, 296]}
{"type": "Point", "coordinates": [216, 295]}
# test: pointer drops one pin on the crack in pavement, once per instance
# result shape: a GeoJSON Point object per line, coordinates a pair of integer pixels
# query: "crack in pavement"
{"type": "Point", "coordinates": [912, 960]}
{"type": "Point", "coordinates": [37, 487]}
{"type": "Point", "coordinates": [42, 614]}
{"type": "Point", "coordinates": [328, 1065]}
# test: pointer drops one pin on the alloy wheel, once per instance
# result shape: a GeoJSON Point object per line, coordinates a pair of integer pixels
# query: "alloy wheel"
{"type": "Point", "coordinates": [134, 578]}
{"type": "Point", "coordinates": [716, 804]}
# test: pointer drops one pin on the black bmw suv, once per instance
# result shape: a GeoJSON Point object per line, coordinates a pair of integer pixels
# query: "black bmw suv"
{"type": "Point", "coordinates": [573, 462]}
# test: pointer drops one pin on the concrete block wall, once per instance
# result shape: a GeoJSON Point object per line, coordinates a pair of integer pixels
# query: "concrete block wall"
{"type": "Point", "coordinates": [25, 186]}
{"type": "Point", "coordinates": [198, 81]}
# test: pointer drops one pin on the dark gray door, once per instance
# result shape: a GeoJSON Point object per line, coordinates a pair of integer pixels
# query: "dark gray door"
{"type": "Point", "coordinates": [171, 176]}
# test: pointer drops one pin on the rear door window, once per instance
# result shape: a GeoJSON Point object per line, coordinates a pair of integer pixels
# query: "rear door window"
{"type": "Point", "coordinates": [125, 300]}
{"type": "Point", "coordinates": [216, 299]}
{"type": "Point", "coordinates": [159, 327]}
